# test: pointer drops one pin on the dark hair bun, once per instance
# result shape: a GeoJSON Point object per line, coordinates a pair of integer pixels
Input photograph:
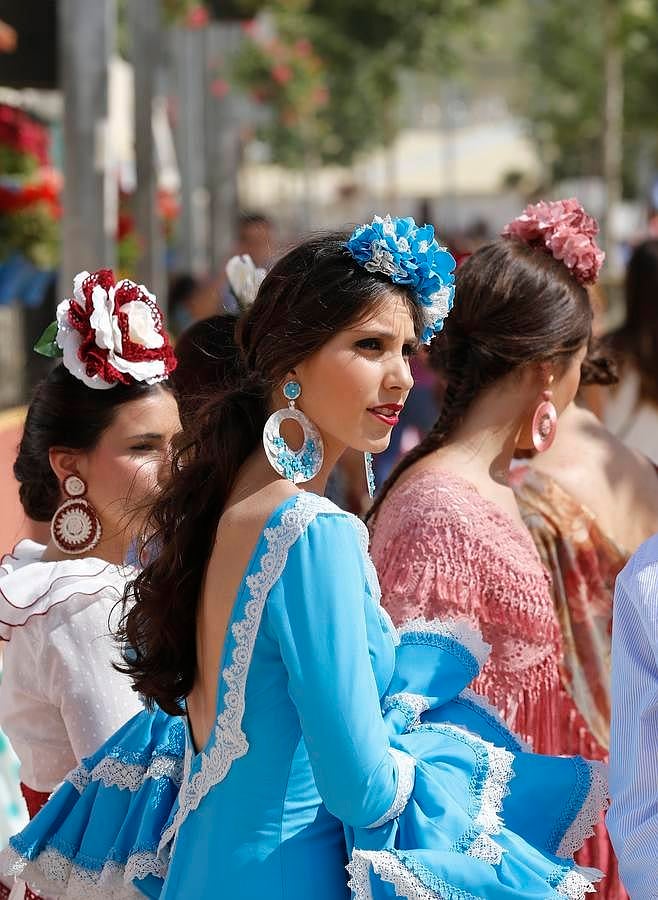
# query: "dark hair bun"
{"type": "Point", "coordinates": [63, 413]}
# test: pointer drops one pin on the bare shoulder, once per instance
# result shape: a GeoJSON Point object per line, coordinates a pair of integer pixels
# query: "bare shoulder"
{"type": "Point", "coordinates": [617, 484]}
{"type": "Point", "coordinates": [244, 519]}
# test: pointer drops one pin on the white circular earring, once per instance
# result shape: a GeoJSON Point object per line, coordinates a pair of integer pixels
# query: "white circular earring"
{"type": "Point", "coordinates": [295, 465]}
{"type": "Point", "coordinates": [75, 528]}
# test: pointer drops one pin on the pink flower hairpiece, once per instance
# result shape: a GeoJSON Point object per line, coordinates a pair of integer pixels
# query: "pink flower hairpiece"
{"type": "Point", "coordinates": [563, 229]}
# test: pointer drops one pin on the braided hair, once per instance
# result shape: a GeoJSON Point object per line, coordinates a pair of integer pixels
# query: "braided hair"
{"type": "Point", "coordinates": [515, 305]}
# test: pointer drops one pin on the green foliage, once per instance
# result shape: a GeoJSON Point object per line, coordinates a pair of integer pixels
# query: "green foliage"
{"type": "Point", "coordinates": [32, 232]}
{"type": "Point", "coordinates": [363, 49]}
{"type": "Point", "coordinates": [563, 95]}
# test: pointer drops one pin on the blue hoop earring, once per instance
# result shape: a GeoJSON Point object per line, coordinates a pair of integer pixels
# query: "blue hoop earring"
{"type": "Point", "coordinates": [295, 465]}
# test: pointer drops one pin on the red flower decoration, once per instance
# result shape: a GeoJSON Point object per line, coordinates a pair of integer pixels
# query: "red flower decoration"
{"type": "Point", "coordinates": [113, 333]}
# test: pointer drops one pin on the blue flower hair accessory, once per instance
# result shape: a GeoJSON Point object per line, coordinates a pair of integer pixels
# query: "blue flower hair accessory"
{"type": "Point", "coordinates": [409, 254]}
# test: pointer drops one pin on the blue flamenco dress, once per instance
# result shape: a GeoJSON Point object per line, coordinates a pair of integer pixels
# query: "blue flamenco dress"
{"type": "Point", "coordinates": [347, 760]}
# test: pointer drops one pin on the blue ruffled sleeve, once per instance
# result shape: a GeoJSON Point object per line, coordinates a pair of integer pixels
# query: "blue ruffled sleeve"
{"type": "Point", "coordinates": [317, 614]}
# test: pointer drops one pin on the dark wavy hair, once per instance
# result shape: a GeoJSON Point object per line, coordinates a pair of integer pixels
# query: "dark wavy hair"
{"type": "Point", "coordinates": [312, 293]}
{"type": "Point", "coordinates": [208, 358]}
{"type": "Point", "coordinates": [64, 412]}
{"type": "Point", "coordinates": [636, 342]}
{"type": "Point", "coordinates": [514, 305]}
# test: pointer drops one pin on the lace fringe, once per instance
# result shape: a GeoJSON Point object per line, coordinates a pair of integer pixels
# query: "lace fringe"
{"type": "Point", "coordinates": [54, 874]}
{"type": "Point", "coordinates": [457, 629]}
{"type": "Point", "coordinates": [583, 826]}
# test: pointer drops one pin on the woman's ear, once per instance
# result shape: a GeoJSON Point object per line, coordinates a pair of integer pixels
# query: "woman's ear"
{"type": "Point", "coordinates": [65, 461]}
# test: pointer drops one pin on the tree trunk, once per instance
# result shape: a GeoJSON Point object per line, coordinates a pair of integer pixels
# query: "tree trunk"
{"type": "Point", "coordinates": [613, 133]}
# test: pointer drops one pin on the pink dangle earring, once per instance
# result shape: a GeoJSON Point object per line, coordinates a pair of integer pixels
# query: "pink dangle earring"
{"type": "Point", "coordinates": [75, 527]}
{"type": "Point", "coordinates": [544, 423]}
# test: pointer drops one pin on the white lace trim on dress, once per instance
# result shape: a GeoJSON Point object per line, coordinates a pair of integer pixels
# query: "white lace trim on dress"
{"type": "Point", "coordinates": [457, 629]}
{"type": "Point", "coordinates": [577, 883]}
{"type": "Point", "coordinates": [488, 707]}
{"type": "Point", "coordinates": [413, 705]}
{"type": "Point", "coordinates": [54, 874]}
{"type": "Point", "coordinates": [406, 766]}
{"type": "Point", "coordinates": [115, 773]}
{"type": "Point", "coordinates": [583, 825]}
{"type": "Point", "coordinates": [230, 742]}
{"type": "Point", "coordinates": [486, 849]}
{"type": "Point", "coordinates": [390, 869]}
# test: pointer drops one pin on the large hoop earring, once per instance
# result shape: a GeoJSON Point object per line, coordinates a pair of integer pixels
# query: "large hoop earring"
{"type": "Point", "coordinates": [544, 424]}
{"type": "Point", "coordinates": [75, 528]}
{"type": "Point", "coordinates": [295, 465]}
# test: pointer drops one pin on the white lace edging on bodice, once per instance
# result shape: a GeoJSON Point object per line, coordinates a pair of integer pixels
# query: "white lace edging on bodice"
{"type": "Point", "coordinates": [583, 825]}
{"type": "Point", "coordinates": [230, 742]}
{"type": "Point", "coordinates": [54, 874]}
{"type": "Point", "coordinates": [458, 630]}
{"type": "Point", "coordinates": [406, 766]}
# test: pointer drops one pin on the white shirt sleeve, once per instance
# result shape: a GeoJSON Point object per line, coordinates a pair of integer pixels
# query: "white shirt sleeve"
{"type": "Point", "coordinates": [633, 816]}
{"type": "Point", "coordinates": [79, 679]}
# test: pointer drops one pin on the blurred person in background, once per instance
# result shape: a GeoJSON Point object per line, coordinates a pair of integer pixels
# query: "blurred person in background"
{"type": "Point", "coordinates": [630, 410]}
{"type": "Point", "coordinates": [94, 450]}
{"type": "Point", "coordinates": [589, 501]}
{"type": "Point", "coordinates": [254, 238]}
{"type": "Point", "coordinates": [191, 299]}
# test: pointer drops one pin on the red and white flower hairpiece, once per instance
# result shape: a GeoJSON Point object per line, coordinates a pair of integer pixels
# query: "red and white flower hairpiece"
{"type": "Point", "coordinates": [563, 229]}
{"type": "Point", "coordinates": [110, 333]}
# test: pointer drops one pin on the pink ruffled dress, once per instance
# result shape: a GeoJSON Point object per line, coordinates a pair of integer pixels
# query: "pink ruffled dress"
{"type": "Point", "coordinates": [442, 551]}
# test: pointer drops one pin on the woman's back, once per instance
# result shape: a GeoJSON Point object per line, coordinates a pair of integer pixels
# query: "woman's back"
{"type": "Point", "coordinates": [294, 619]}
{"type": "Point", "coordinates": [238, 534]}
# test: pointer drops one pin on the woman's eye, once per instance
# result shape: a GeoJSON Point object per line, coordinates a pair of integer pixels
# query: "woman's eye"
{"type": "Point", "coordinates": [369, 344]}
{"type": "Point", "coordinates": [409, 350]}
{"type": "Point", "coordinates": [142, 448]}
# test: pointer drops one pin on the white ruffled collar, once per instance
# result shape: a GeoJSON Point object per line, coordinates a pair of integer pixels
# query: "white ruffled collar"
{"type": "Point", "coordinates": [31, 587]}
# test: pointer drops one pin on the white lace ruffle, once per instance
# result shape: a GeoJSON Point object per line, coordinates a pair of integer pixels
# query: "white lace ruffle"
{"type": "Point", "coordinates": [488, 707]}
{"type": "Point", "coordinates": [389, 869]}
{"type": "Point", "coordinates": [115, 773]}
{"type": "Point", "coordinates": [54, 875]}
{"type": "Point", "coordinates": [412, 704]}
{"type": "Point", "coordinates": [500, 772]}
{"type": "Point", "coordinates": [458, 629]}
{"type": "Point", "coordinates": [486, 849]}
{"type": "Point", "coordinates": [406, 766]}
{"type": "Point", "coordinates": [230, 742]}
{"type": "Point", "coordinates": [583, 825]}
{"type": "Point", "coordinates": [79, 778]}
{"type": "Point", "coordinates": [575, 884]}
